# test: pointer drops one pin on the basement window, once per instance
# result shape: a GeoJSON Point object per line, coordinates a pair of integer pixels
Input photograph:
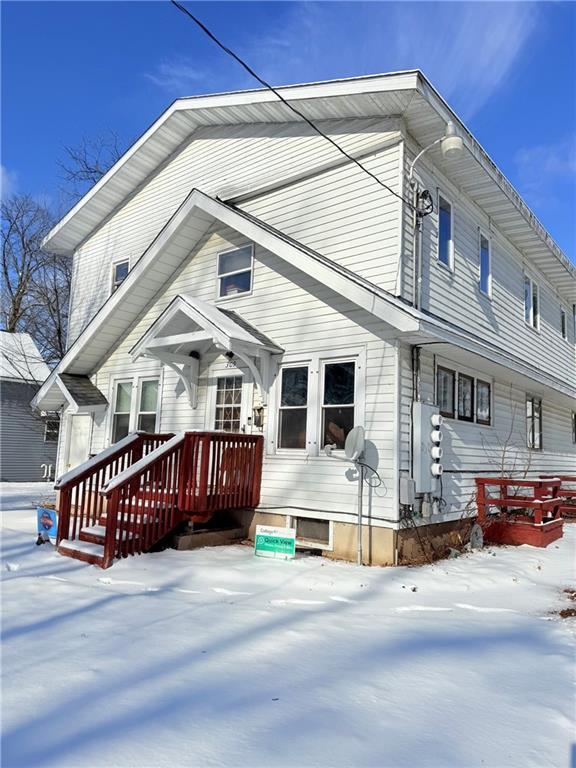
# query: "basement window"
{"type": "Point", "coordinates": [312, 533]}
{"type": "Point", "coordinates": [235, 271]}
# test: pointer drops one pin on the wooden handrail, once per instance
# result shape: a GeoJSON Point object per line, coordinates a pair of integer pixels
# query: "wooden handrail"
{"type": "Point", "coordinates": [79, 502]}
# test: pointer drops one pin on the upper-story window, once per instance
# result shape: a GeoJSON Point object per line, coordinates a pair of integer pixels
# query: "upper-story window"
{"type": "Point", "coordinates": [531, 303]}
{"type": "Point", "coordinates": [235, 271]}
{"type": "Point", "coordinates": [445, 232]}
{"type": "Point", "coordinates": [563, 323]}
{"type": "Point", "coordinates": [485, 266]}
{"type": "Point", "coordinates": [573, 426]}
{"type": "Point", "coordinates": [120, 271]}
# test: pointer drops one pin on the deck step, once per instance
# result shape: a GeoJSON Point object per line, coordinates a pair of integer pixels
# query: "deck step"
{"type": "Point", "coordinates": [96, 534]}
{"type": "Point", "coordinates": [82, 550]}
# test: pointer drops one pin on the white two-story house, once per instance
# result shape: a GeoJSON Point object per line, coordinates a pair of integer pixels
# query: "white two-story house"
{"type": "Point", "coordinates": [235, 271]}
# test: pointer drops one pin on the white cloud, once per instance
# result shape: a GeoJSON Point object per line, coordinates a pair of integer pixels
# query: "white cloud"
{"type": "Point", "coordinates": [467, 49]}
{"type": "Point", "coordinates": [178, 76]}
{"type": "Point", "coordinates": [8, 182]}
{"type": "Point", "coordinates": [543, 171]}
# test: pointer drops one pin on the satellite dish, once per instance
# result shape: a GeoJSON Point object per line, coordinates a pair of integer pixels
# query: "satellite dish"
{"type": "Point", "coordinates": [354, 445]}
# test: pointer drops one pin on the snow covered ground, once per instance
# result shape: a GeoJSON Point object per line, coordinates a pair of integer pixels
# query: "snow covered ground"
{"type": "Point", "coordinates": [216, 658]}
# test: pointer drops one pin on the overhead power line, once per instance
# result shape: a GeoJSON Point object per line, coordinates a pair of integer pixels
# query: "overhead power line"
{"type": "Point", "coordinates": [290, 106]}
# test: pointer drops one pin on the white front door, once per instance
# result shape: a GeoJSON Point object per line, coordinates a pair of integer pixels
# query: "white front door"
{"type": "Point", "coordinates": [78, 440]}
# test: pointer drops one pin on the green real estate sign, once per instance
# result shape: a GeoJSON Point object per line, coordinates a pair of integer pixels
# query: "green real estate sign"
{"type": "Point", "coordinates": [279, 543]}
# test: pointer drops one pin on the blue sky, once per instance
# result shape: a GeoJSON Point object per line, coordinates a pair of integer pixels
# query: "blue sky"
{"type": "Point", "coordinates": [73, 69]}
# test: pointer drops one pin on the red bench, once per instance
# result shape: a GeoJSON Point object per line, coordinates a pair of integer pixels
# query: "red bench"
{"type": "Point", "coordinates": [567, 494]}
{"type": "Point", "coordinates": [523, 511]}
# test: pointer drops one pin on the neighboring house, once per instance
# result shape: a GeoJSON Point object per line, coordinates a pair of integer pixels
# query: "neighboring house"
{"type": "Point", "coordinates": [232, 227]}
{"type": "Point", "coordinates": [28, 439]}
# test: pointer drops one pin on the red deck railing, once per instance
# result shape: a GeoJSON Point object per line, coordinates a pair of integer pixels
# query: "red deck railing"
{"type": "Point", "coordinates": [191, 476]}
{"type": "Point", "coordinates": [80, 503]}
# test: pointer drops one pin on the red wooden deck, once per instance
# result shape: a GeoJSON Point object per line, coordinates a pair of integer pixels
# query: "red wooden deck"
{"type": "Point", "coordinates": [125, 501]}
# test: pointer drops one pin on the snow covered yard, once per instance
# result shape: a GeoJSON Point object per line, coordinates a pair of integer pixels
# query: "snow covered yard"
{"type": "Point", "coordinates": [216, 658]}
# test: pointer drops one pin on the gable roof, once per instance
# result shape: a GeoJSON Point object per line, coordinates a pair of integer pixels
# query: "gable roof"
{"type": "Point", "coordinates": [173, 245]}
{"type": "Point", "coordinates": [407, 94]}
{"type": "Point", "coordinates": [20, 359]}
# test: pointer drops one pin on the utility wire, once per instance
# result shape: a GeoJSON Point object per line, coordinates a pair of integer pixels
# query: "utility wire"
{"type": "Point", "coordinates": [290, 106]}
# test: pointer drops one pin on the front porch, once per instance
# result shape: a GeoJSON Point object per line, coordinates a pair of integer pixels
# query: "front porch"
{"type": "Point", "coordinates": [131, 496]}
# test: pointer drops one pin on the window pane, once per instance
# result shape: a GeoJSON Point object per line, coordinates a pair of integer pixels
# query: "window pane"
{"type": "Point", "coordinates": [234, 261]}
{"type": "Point", "coordinates": [563, 323]}
{"type": "Point", "coordinates": [339, 383]}
{"type": "Point", "coordinates": [123, 397]}
{"type": "Point", "coordinates": [535, 305]}
{"type": "Point", "coordinates": [147, 422]}
{"type": "Point", "coordinates": [294, 386]}
{"type": "Point", "coordinates": [444, 231]}
{"type": "Point", "coordinates": [445, 391]}
{"type": "Point", "coordinates": [121, 425]}
{"type": "Point", "coordinates": [527, 299]}
{"type": "Point", "coordinates": [239, 283]}
{"type": "Point", "coordinates": [228, 401]}
{"type": "Point", "coordinates": [149, 396]}
{"type": "Point", "coordinates": [120, 272]}
{"type": "Point", "coordinates": [465, 397]}
{"type": "Point", "coordinates": [484, 265]}
{"type": "Point", "coordinates": [51, 431]}
{"type": "Point", "coordinates": [337, 422]}
{"type": "Point", "coordinates": [312, 530]}
{"type": "Point", "coordinates": [292, 428]}
{"type": "Point", "coordinates": [482, 402]}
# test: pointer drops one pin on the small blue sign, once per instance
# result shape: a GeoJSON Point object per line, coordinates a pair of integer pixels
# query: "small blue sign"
{"type": "Point", "coordinates": [47, 523]}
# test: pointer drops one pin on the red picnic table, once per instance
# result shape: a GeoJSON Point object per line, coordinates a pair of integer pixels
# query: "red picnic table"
{"type": "Point", "coordinates": [526, 511]}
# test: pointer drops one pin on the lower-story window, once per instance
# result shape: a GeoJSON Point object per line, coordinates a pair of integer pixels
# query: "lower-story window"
{"type": "Point", "coordinates": [228, 403]}
{"type": "Point", "coordinates": [135, 407]}
{"type": "Point", "coordinates": [122, 410]}
{"type": "Point", "coordinates": [534, 423]}
{"type": "Point", "coordinates": [293, 407]}
{"type": "Point", "coordinates": [337, 402]}
{"type": "Point", "coordinates": [319, 402]}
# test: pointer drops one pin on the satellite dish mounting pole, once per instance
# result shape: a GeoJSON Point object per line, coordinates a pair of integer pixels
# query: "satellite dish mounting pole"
{"type": "Point", "coordinates": [360, 470]}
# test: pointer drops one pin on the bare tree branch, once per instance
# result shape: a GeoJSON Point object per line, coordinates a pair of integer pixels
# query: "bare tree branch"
{"type": "Point", "coordinates": [85, 164]}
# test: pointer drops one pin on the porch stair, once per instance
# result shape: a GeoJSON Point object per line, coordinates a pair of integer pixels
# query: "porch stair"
{"type": "Point", "coordinates": [125, 500]}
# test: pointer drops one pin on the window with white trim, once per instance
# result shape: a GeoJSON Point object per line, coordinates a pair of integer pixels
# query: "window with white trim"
{"type": "Point", "coordinates": [228, 409]}
{"type": "Point", "coordinates": [235, 271]}
{"type": "Point", "coordinates": [445, 232]}
{"type": "Point", "coordinates": [135, 406]}
{"type": "Point", "coordinates": [338, 390]}
{"type": "Point", "coordinates": [122, 410]}
{"type": "Point", "coordinates": [148, 405]}
{"type": "Point", "coordinates": [120, 271]}
{"type": "Point", "coordinates": [531, 303]}
{"type": "Point", "coordinates": [293, 408]}
{"type": "Point", "coordinates": [485, 259]}
{"type": "Point", "coordinates": [534, 423]}
{"type": "Point", "coordinates": [318, 401]}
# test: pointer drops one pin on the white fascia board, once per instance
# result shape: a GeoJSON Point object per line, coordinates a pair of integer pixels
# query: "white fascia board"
{"type": "Point", "coordinates": [437, 330]}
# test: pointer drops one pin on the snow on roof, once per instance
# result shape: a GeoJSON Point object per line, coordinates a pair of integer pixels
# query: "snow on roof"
{"type": "Point", "coordinates": [20, 358]}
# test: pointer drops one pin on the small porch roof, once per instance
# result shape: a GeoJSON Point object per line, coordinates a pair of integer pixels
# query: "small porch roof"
{"type": "Point", "coordinates": [76, 392]}
{"type": "Point", "coordinates": [190, 325]}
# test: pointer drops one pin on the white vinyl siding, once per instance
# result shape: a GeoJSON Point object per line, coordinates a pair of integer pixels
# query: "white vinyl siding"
{"type": "Point", "coordinates": [342, 212]}
{"type": "Point", "coordinates": [310, 322]}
